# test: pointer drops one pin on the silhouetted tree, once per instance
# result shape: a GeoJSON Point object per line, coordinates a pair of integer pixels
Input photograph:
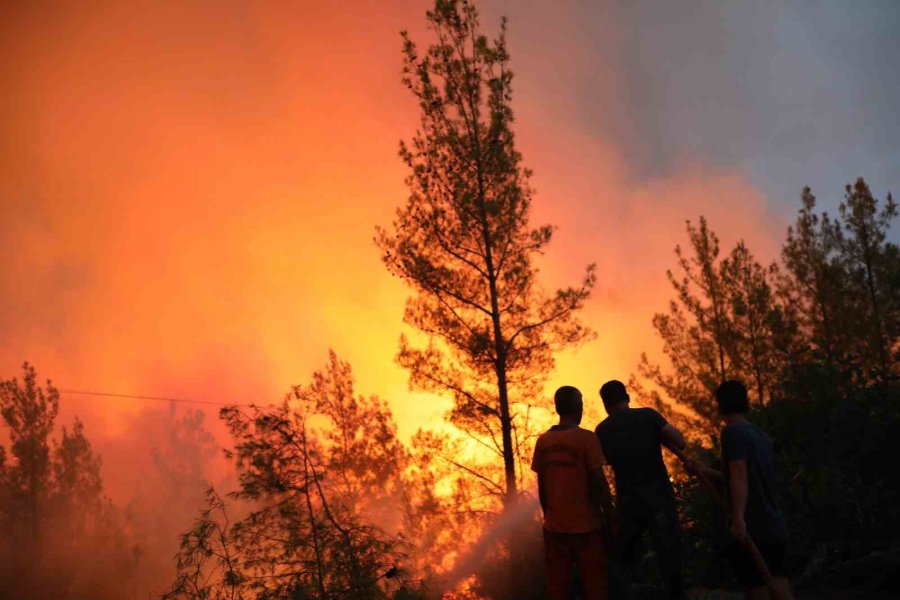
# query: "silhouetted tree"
{"type": "Point", "coordinates": [187, 446]}
{"type": "Point", "coordinates": [77, 484]}
{"type": "Point", "coordinates": [813, 282]}
{"type": "Point", "coordinates": [842, 278]}
{"type": "Point", "coordinates": [207, 563]}
{"type": "Point", "coordinates": [872, 268]}
{"type": "Point", "coordinates": [306, 535]}
{"type": "Point", "coordinates": [762, 330]}
{"type": "Point", "coordinates": [463, 241]}
{"type": "Point", "coordinates": [364, 457]}
{"type": "Point", "coordinates": [60, 537]}
{"type": "Point", "coordinates": [29, 413]}
{"type": "Point", "coordinates": [164, 503]}
{"type": "Point", "coordinates": [447, 506]}
{"type": "Point", "coordinates": [816, 336]}
{"type": "Point", "coordinates": [697, 333]}
{"type": "Point", "coordinates": [727, 321]}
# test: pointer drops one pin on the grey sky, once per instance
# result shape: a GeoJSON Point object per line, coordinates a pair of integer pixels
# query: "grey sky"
{"type": "Point", "coordinates": [796, 93]}
{"type": "Point", "coordinates": [792, 93]}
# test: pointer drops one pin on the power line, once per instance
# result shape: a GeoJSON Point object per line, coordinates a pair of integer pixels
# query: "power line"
{"type": "Point", "coordinates": [161, 398]}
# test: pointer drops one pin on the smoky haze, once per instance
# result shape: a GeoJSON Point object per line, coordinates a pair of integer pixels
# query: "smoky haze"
{"type": "Point", "coordinates": [188, 194]}
{"type": "Point", "coordinates": [183, 190]}
{"type": "Point", "coordinates": [790, 93]}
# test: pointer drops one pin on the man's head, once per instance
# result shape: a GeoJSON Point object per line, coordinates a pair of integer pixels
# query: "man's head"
{"type": "Point", "coordinates": [614, 395]}
{"type": "Point", "coordinates": [568, 403]}
{"type": "Point", "coordinates": [732, 398]}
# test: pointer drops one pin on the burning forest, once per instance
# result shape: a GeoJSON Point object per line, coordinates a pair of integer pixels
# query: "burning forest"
{"type": "Point", "coordinates": [287, 367]}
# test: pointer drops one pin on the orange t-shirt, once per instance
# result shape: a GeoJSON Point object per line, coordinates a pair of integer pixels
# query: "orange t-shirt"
{"type": "Point", "coordinates": [563, 457]}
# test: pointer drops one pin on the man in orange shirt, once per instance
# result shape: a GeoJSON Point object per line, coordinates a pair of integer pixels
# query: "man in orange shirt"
{"type": "Point", "coordinates": [575, 498]}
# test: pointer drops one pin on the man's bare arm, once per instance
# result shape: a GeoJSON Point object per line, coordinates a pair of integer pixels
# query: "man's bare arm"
{"type": "Point", "coordinates": [695, 467]}
{"type": "Point", "coordinates": [671, 437]}
{"type": "Point", "coordinates": [674, 440]}
{"type": "Point", "coordinates": [737, 489]}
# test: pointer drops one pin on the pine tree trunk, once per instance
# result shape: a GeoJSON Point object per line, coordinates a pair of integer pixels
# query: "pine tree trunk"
{"type": "Point", "coordinates": [509, 466]}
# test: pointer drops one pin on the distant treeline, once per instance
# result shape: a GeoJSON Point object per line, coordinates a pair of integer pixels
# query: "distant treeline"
{"type": "Point", "coordinates": [816, 337]}
{"type": "Point", "coordinates": [61, 537]}
{"type": "Point", "coordinates": [826, 315]}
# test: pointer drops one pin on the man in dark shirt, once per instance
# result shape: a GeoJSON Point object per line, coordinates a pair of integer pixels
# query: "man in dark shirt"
{"type": "Point", "coordinates": [632, 440]}
{"type": "Point", "coordinates": [748, 459]}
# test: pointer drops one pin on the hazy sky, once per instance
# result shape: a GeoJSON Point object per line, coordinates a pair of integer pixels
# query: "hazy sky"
{"type": "Point", "coordinates": [189, 193]}
{"type": "Point", "coordinates": [789, 93]}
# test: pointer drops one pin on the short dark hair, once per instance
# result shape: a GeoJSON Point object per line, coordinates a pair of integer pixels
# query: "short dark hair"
{"type": "Point", "coordinates": [566, 400]}
{"type": "Point", "coordinates": [613, 392]}
{"type": "Point", "coordinates": [732, 397]}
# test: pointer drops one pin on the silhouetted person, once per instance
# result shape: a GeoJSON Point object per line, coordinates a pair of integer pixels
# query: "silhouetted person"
{"type": "Point", "coordinates": [574, 496]}
{"type": "Point", "coordinates": [748, 458]}
{"type": "Point", "coordinates": [632, 440]}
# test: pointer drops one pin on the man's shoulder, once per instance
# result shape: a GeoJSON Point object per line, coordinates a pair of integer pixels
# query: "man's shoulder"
{"type": "Point", "coordinates": [543, 437]}
{"type": "Point", "coordinates": [731, 429]}
{"type": "Point", "coordinates": [576, 432]}
{"type": "Point", "coordinates": [563, 432]}
{"type": "Point", "coordinates": [585, 434]}
{"type": "Point", "coordinates": [640, 415]}
{"type": "Point", "coordinates": [573, 437]}
{"type": "Point", "coordinates": [738, 433]}
{"type": "Point", "coordinates": [645, 412]}
{"type": "Point", "coordinates": [579, 436]}
{"type": "Point", "coordinates": [618, 420]}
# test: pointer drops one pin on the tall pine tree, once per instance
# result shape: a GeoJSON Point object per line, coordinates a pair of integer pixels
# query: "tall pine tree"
{"type": "Point", "coordinates": [813, 282]}
{"type": "Point", "coordinates": [463, 241]}
{"type": "Point", "coordinates": [762, 331]}
{"type": "Point", "coordinates": [697, 332]}
{"type": "Point", "coordinates": [871, 264]}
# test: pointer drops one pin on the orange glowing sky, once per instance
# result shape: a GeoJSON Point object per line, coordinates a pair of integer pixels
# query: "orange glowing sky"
{"type": "Point", "coordinates": [189, 196]}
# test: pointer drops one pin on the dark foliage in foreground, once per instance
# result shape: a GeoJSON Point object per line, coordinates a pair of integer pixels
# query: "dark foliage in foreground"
{"type": "Point", "coordinates": [817, 339]}
{"type": "Point", "coordinates": [315, 475]}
